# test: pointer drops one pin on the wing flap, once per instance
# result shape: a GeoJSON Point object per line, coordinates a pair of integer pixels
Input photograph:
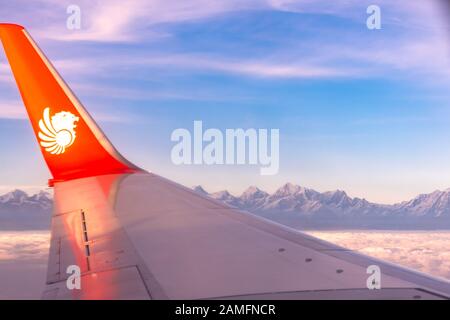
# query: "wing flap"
{"type": "Point", "coordinates": [117, 284]}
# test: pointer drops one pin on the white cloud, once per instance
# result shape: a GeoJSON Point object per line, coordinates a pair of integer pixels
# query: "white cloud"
{"type": "Point", "coordinates": [271, 68]}
{"type": "Point", "coordinates": [416, 55]}
{"type": "Point", "coordinates": [5, 72]}
{"type": "Point", "coordinates": [425, 251]}
{"type": "Point", "coordinates": [12, 110]}
{"type": "Point", "coordinates": [113, 21]}
{"type": "Point", "coordinates": [410, 14]}
{"type": "Point", "coordinates": [420, 51]}
{"type": "Point", "coordinates": [24, 245]}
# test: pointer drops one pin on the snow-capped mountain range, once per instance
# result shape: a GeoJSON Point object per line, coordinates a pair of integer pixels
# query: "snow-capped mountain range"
{"type": "Point", "coordinates": [20, 211]}
{"type": "Point", "coordinates": [291, 204]}
{"type": "Point", "coordinates": [19, 199]}
{"type": "Point", "coordinates": [302, 207]}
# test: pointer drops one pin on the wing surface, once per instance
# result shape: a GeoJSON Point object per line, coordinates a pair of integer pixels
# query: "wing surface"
{"type": "Point", "coordinates": [149, 237]}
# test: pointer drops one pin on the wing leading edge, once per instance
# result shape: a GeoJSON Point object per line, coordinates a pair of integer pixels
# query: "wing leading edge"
{"type": "Point", "coordinates": [136, 235]}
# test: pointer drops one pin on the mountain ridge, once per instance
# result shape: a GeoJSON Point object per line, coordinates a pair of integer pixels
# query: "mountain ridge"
{"type": "Point", "coordinates": [20, 211]}
{"type": "Point", "coordinates": [293, 202]}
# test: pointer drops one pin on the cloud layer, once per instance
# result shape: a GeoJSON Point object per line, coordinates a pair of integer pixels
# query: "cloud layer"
{"type": "Point", "coordinates": [24, 245]}
{"type": "Point", "coordinates": [423, 251]}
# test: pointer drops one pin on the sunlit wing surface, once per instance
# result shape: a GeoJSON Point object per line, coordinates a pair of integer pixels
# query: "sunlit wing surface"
{"type": "Point", "coordinates": [136, 235]}
{"type": "Point", "coordinates": [142, 236]}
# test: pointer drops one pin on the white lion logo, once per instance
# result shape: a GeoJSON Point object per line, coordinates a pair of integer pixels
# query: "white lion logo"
{"type": "Point", "coordinates": [58, 133]}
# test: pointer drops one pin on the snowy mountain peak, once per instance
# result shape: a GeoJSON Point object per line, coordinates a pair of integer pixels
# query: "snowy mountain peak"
{"type": "Point", "coordinates": [336, 195]}
{"type": "Point", "coordinates": [288, 189]}
{"type": "Point", "coordinates": [19, 211]}
{"type": "Point", "coordinates": [199, 189]}
{"type": "Point", "coordinates": [20, 201]}
{"type": "Point", "coordinates": [253, 192]}
{"type": "Point", "coordinates": [222, 195]}
{"type": "Point", "coordinates": [13, 196]}
{"type": "Point", "coordinates": [42, 196]}
{"type": "Point", "coordinates": [434, 204]}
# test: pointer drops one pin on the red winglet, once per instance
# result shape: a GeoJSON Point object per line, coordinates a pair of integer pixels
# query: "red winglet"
{"type": "Point", "coordinates": [71, 142]}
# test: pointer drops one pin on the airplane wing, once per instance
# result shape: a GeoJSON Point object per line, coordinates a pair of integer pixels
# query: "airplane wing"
{"type": "Point", "coordinates": [136, 235]}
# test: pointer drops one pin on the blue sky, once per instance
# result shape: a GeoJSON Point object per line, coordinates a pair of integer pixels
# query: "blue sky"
{"type": "Point", "coordinates": [365, 111]}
